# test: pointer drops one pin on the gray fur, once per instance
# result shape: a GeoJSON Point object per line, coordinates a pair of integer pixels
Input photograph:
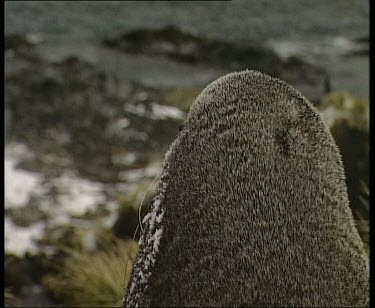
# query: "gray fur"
{"type": "Point", "coordinates": [252, 206]}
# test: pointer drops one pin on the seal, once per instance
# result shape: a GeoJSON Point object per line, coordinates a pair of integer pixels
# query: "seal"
{"type": "Point", "coordinates": [251, 208]}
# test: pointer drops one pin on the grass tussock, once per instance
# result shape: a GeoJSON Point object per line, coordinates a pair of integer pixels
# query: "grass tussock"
{"type": "Point", "coordinates": [93, 279]}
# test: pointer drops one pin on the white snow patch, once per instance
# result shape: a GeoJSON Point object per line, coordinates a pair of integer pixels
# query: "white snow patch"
{"type": "Point", "coordinates": [132, 288]}
{"type": "Point", "coordinates": [124, 159]}
{"type": "Point", "coordinates": [134, 175]}
{"type": "Point", "coordinates": [73, 197]}
{"type": "Point", "coordinates": [158, 112]}
{"type": "Point", "coordinates": [164, 112]}
{"type": "Point", "coordinates": [156, 237]}
{"type": "Point", "coordinates": [110, 220]}
{"type": "Point", "coordinates": [338, 45]}
{"type": "Point", "coordinates": [133, 134]}
{"type": "Point", "coordinates": [34, 38]}
{"type": "Point", "coordinates": [19, 240]}
{"type": "Point", "coordinates": [149, 243]}
{"type": "Point", "coordinates": [60, 218]}
{"type": "Point", "coordinates": [78, 196]}
{"type": "Point", "coordinates": [138, 109]}
{"type": "Point", "coordinates": [118, 126]}
{"type": "Point", "coordinates": [159, 218]}
{"type": "Point", "coordinates": [147, 217]}
{"type": "Point", "coordinates": [154, 215]}
{"type": "Point", "coordinates": [142, 96]}
{"type": "Point", "coordinates": [143, 277]}
{"type": "Point", "coordinates": [344, 44]}
{"type": "Point", "coordinates": [19, 184]}
{"type": "Point", "coordinates": [123, 123]}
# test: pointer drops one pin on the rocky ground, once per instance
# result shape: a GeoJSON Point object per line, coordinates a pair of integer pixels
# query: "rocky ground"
{"type": "Point", "coordinates": [84, 141]}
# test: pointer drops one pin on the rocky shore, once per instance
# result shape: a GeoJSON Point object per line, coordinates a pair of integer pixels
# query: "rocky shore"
{"type": "Point", "coordinates": [173, 43]}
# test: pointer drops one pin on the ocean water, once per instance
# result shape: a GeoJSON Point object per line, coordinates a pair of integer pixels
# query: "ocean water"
{"type": "Point", "coordinates": [317, 30]}
{"type": "Point", "coordinates": [254, 20]}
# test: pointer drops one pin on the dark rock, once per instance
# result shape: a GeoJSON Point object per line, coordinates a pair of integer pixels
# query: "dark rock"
{"type": "Point", "coordinates": [15, 272]}
{"type": "Point", "coordinates": [127, 222]}
{"type": "Point", "coordinates": [27, 270]}
{"type": "Point", "coordinates": [22, 47]}
{"type": "Point", "coordinates": [27, 215]}
{"type": "Point", "coordinates": [363, 228]}
{"type": "Point", "coordinates": [16, 42]}
{"type": "Point", "coordinates": [72, 107]}
{"type": "Point", "coordinates": [348, 119]}
{"type": "Point", "coordinates": [7, 122]}
{"type": "Point", "coordinates": [186, 47]}
{"type": "Point", "coordinates": [309, 79]}
{"type": "Point", "coordinates": [362, 39]}
{"type": "Point", "coordinates": [36, 296]}
{"type": "Point", "coordinates": [360, 52]}
{"type": "Point", "coordinates": [354, 147]}
{"type": "Point", "coordinates": [361, 48]}
{"type": "Point", "coordinates": [23, 277]}
{"type": "Point", "coordinates": [174, 43]}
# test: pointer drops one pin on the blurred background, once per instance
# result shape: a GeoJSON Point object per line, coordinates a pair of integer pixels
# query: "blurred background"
{"type": "Point", "coordinates": [95, 92]}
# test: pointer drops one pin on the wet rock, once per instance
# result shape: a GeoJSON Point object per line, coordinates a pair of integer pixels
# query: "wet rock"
{"type": "Point", "coordinates": [72, 116]}
{"type": "Point", "coordinates": [21, 46]}
{"type": "Point", "coordinates": [362, 51]}
{"type": "Point", "coordinates": [179, 45]}
{"type": "Point", "coordinates": [174, 43]}
{"type": "Point", "coordinates": [128, 218]}
{"type": "Point", "coordinates": [36, 296]}
{"type": "Point", "coordinates": [127, 223]}
{"type": "Point", "coordinates": [25, 271]}
{"type": "Point", "coordinates": [362, 39]}
{"type": "Point", "coordinates": [7, 122]}
{"type": "Point", "coordinates": [15, 273]}
{"type": "Point", "coordinates": [308, 78]}
{"type": "Point", "coordinates": [354, 147]}
{"type": "Point", "coordinates": [27, 215]}
{"type": "Point", "coordinates": [361, 47]}
{"type": "Point", "coordinates": [363, 228]}
{"type": "Point", "coordinates": [79, 116]}
{"type": "Point", "coordinates": [16, 42]}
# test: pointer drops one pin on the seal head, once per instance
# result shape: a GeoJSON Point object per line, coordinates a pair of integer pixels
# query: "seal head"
{"type": "Point", "coordinates": [252, 207]}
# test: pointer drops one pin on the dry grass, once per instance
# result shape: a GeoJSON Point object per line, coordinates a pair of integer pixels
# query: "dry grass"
{"type": "Point", "coordinates": [93, 279]}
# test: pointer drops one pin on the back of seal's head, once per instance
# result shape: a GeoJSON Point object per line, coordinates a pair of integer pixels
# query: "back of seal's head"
{"type": "Point", "coordinates": [252, 208]}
